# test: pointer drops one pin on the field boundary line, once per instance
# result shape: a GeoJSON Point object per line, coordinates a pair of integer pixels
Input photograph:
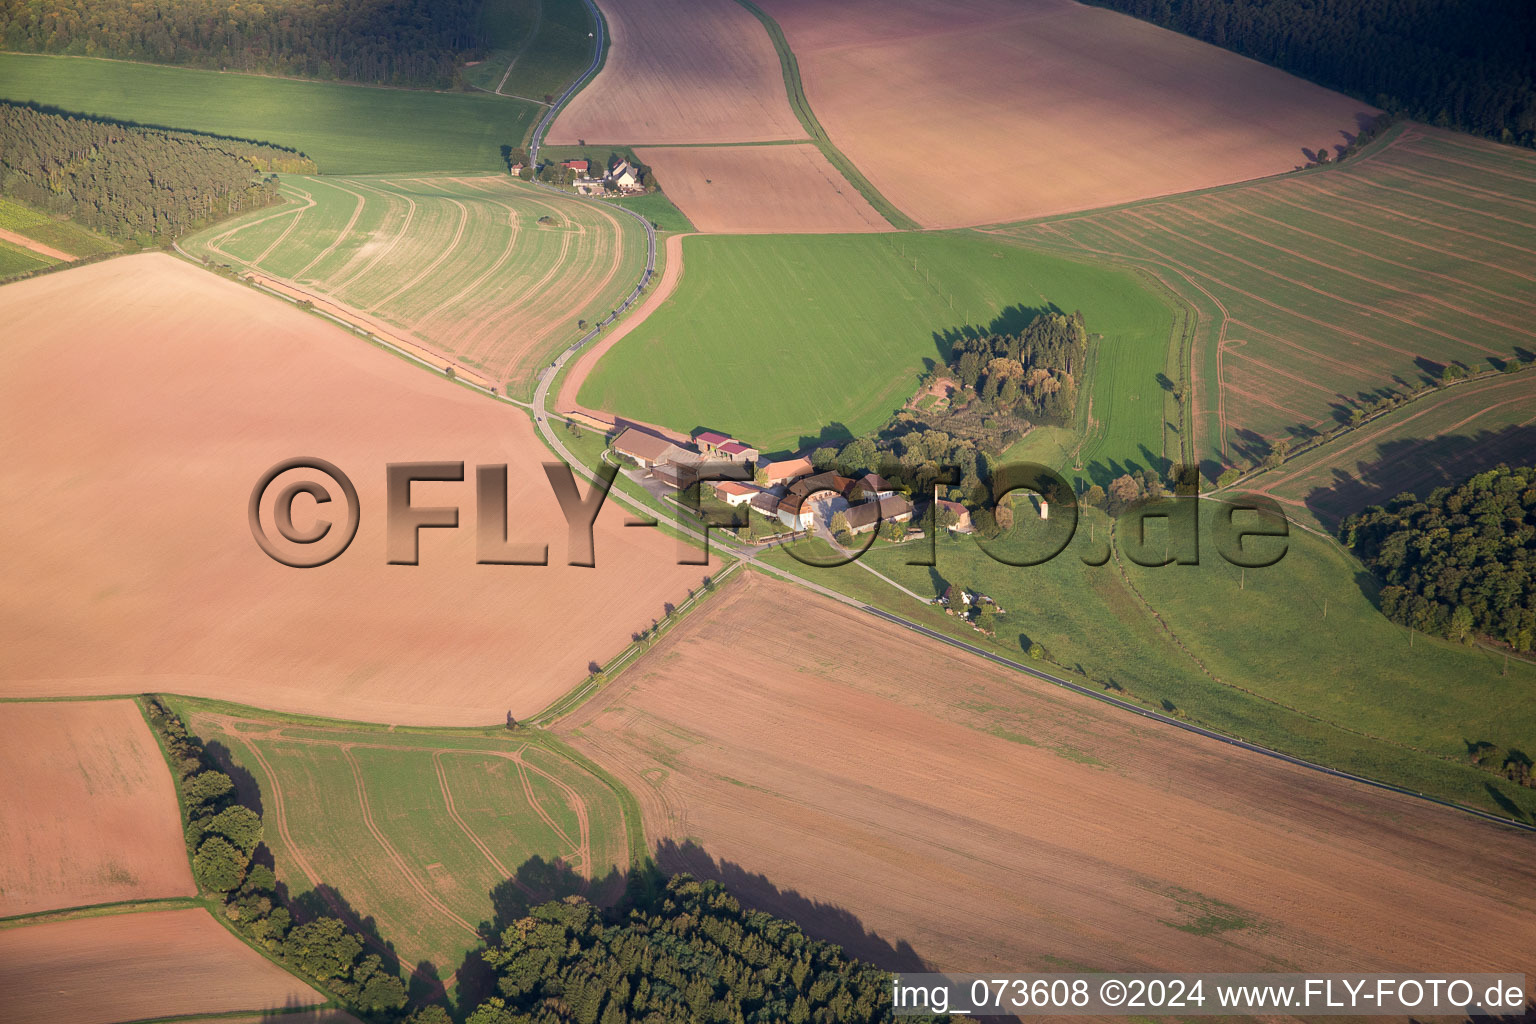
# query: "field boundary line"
{"type": "Point", "coordinates": [341, 235]}
{"type": "Point", "coordinates": [113, 909]}
{"type": "Point", "coordinates": [794, 87]}
{"type": "Point", "coordinates": [1155, 716]}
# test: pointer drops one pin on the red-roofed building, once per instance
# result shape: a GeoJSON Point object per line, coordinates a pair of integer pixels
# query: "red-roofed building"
{"type": "Point", "coordinates": [735, 492]}
{"type": "Point", "coordinates": [581, 167]}
{"type": "Point", "coordinates": [785, 472]}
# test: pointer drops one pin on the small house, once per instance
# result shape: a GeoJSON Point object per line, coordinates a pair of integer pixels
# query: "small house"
{"type": "Point", "coordinates": [735, 492]}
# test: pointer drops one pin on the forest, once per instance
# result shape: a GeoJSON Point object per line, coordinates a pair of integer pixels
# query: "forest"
{"type": "Point", "coordinates": [1466, 64]}
{"type": "Point", "coordinates": [380, 42]}
{"type": "Point", "coordinates": [686, 950]}
{"type": "Point", "coordinates": [145, 184]}
{"type": "Point", "coordinates": [1460, 563]}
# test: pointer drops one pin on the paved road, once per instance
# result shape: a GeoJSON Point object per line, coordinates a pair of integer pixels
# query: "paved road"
{"type": "Point", "coordinates": [731, 550]}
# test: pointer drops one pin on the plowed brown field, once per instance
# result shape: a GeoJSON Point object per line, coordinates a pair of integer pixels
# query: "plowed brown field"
{"type": "Point", "coordinates": [895, 792]}
{"type": "Point", "coordinates": [982, 111]}
{"type": "Point", "coordinates": [152, 396]}
{"type": "Point", "coordinates": [88, 810]}
{"type": "Point", "coordinates": [163, 963]}
{"type": "Point", "coordinates": [681, 71]}
{"type": "Point", "coordinates": [761, 189]}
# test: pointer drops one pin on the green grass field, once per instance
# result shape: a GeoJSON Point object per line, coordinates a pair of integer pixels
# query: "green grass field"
{"type": "Point", "coordinates": [547, 43]}
{"type": "Point", "coordinates": [1317, 291]}
{"type": "Point", "coordinates": [346, 129]}
{"type": "Point", "coordinates": [64, 235]}
{"type": "Point", "coordinates": [15, 261]}
{"type": "Point", "coordinates": [773, 338]}
{"type": "Point", "coordinates": [1250, 654]}
{"type": "Point", "coordinates": [488, 271]}
{"type": "Point", "coordinates": [431, 834]}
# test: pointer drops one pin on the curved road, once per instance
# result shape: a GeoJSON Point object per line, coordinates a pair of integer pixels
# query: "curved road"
{"type": "Point", "coordinates": [540, 400]}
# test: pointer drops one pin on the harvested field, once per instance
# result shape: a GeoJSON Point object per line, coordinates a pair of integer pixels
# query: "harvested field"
{"type": "Point", "coordinates": [487, 275]}
{"type": "Point", "coordinates": [1438, 440]}
{"type": "Point", "coordinates": [681, 71]}
{"type": "Point", "coordinates": [762, 189]}
{"type": "Point", "coordinates": [1320, 293]}
{"type": "Point", "coordinates": [429, 834]}
{"type": "Point", "coordinates": [997, 110]}
{"type": "Point", "coordinates": [212, 384]}
{"type": "Point", "coordinates": [917, 796]}
{"type": "Point", "coordinates": [88, 813]}
{"type": "Point", "coordinates": [125, 967]}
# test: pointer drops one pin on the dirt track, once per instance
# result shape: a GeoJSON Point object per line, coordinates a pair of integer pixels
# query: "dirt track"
{"type": "Point", "coordinates": [100, 970]}
{"type": "Point", "coordinates": [35, 246]}
{"type": "Point", "coordinates": [671, 274]}
{"type": "Point", "coordinates": [895, 792]}
{"type": "Point", "coordinates": [171, 413]}
{"type": "Point", "coordinates": [761, 190]}
{"type": "Point", "coordinates": [681, 71]}
{"type": "Point", "coordinates": [986, 111]}
{"type": "Point", "coordinates": [88, 810]}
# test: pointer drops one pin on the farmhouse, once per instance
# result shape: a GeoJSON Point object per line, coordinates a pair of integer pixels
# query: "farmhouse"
{"type": "Point", "coordinates": [797, 508]}
{"type": "Point", "coordinates": [865, 516]}
{"type": "Point", "coordinates": [719, 446]}
{"type": "Point", "coordinates": [765, 504]}
{"type": "Point", "coordinates": [784, 472]}
{"type": "Point", "coordinates": [735, 492]}
{"type": "Point", "coordinates": [622, 176]}
{"type": "Point", "coordinates": [962, 523]}
{"type": "Point", "coordinates": [871, 486]}
{"type": "Point", "coordinates": [581, 167]}
{"type": "Point", "coordinates": [648, 450]}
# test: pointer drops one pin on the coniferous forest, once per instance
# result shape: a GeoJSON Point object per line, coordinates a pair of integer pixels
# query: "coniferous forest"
{"type": "Point", "coordinates": [1459, 563]}
{"type": "Point", "coordinates": [1465, 64]}
{"type": "Point", "coordinates": [689, 952]}
{"type": "Point", "coordinates": [126, 181]}
{"type": "Point", "coordinates": [383, 42]}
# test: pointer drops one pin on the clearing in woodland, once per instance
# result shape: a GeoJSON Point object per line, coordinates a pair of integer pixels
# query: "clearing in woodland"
{"type": "Point", "coordinates": [681, 71]}
{"type": "Point", "coordinates": [205, 399]}
{"type": "Point", "coordinates": [848, 791]}
{"type": "Point", "coordinates": [537, 47]}
{"type": "Point", "coordinates": [761, 189]}
{"type": "Point", "coordinates": [139, 966]}
{"type": "Point", "coordinates": [996, 110]}
{"type": "Point", "coordinates": [490, 274]}
{"type": "Point", "coordinates": [88, 809]}
{"type": "Point", "coordinates": [1322, 293]}
{"type": "Point", "coordinates": [438, 838]}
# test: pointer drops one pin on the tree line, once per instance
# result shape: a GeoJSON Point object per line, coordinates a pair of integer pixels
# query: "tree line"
{"type": "Point", "coordinates": [1460, 563]}
{"type": "Point", "coordinates": [382, 42]}
{"type": "Point", "coordinates": [147, 184]}
{"type": "Point", "coordinates": [674, 949]}
{"type": "Point", "coordinates": [1464, 64]}
{"type": "Point", "coordinates": [685, 950]}
{"type": "Point", "coordinates": [223, 836]}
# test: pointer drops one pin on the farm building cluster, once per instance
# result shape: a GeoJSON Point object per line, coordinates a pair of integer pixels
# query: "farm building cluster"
{"type": "Point", "coordinates": [790, 491]}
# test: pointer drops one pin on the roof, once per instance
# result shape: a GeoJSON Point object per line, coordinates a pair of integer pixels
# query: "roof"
{"type": "Point", "coordinates": [735, 487]}
{"type": "Point", "coordinates": [777, 471]}
{"type": "Point", "coordinates": [734, 448]}
{"type": "Point", "coordinates": [579, 164]}
{"type": "Point", "coordinates": [871, 483]}
{"type": "Point", "coordinates": [866, 513]}
{"type": "Point", "coordinates": [710, 437]}
{"type": "Point", "coordinates": [803, 489]}
{"type": "Point", "coordinates": [645, 446]}
{"type": "Point", "coordinates": [765, 502]}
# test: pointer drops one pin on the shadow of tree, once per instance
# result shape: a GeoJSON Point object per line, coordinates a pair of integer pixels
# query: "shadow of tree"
{"type": "Point", "coordinates": [818, 919]}
{"type": "Point", "coordinates": [1418, 466]}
